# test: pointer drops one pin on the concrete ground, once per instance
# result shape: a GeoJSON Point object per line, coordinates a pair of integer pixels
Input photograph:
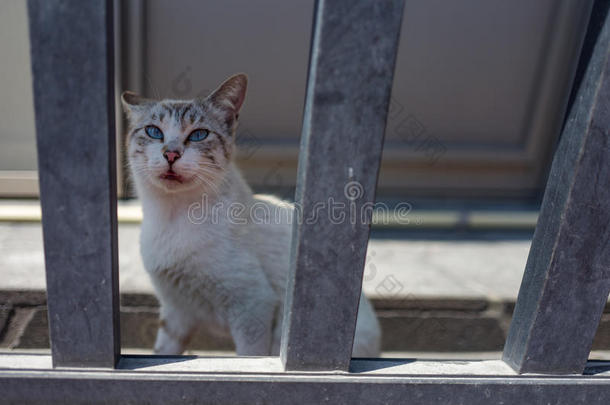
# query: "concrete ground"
{"type": "Point", "coordinates": [435, 291]}
{"type": "Point", "coordinates": [395, 266]}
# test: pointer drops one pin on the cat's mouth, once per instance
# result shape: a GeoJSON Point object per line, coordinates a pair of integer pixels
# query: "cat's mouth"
{"type": "Point", "coordinates": [172, 176]}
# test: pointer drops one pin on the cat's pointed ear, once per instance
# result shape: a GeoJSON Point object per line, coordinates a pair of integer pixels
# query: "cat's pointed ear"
{"type": "Point", "coordinates": [232, 93]}
{"type": "Point", "coordinates": [134, 103]}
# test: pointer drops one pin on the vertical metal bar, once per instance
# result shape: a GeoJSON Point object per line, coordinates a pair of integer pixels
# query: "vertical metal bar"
{"type": "Point", "coordinates": [72, 65]}
{"type": "Point", "coordinates": [567, 277]}
{"type": "Point", "coordinates": [350, 79]}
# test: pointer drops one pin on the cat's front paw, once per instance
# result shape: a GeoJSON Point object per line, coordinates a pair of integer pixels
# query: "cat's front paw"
{"type": "Point", "coordinates": [166, 345]}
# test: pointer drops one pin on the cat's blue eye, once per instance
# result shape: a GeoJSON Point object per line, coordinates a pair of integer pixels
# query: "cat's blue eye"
{"type": "Point", "coordinates": [198, 135]}
{"type": "Point", "coordinates": [153, 132]}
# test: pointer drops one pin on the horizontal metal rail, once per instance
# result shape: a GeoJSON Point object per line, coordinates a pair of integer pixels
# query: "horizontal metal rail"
{"type": "Point", "coordinates": [263, 381]}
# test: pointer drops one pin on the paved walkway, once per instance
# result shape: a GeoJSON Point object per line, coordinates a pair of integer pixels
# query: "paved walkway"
{"type": "Point", "coordinates": [434, 291]}
{"type": "Point", "coordinates": [454, 287]}
{"type": "Point", "coordinates": [489, 269]}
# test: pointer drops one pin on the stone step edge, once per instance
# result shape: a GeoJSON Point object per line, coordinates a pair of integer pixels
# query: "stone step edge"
{"type": "Point", "coordinates": [408, 302]}
{"type": "Point", "coordinates": [407, 324]}
{"type": "Point", "coordinates": [142, 299]}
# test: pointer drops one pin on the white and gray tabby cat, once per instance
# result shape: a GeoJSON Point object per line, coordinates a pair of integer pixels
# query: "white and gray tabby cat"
{"type": "Point", "coordinates": [221, 272]}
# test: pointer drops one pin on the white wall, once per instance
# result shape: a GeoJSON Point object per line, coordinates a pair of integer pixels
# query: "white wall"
{"type": "Point", "coordinates": [17, 135]}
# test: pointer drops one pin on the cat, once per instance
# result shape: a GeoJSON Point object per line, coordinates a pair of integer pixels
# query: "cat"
{"type": "Point", "coordinates": [224, 272]}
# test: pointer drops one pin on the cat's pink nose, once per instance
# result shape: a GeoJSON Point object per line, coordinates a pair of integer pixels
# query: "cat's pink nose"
{"type": "Point", "coordinates": [171, 156]}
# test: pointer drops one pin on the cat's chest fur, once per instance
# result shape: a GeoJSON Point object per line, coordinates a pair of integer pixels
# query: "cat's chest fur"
{"type": "Point", "coordinates": [175, 243]}
{"type": "Point", "coordinates": [189, 260]}
{"type": "Point", "coordinates": [200, 264]}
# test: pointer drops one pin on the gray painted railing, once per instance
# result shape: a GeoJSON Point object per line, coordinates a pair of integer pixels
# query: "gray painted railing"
{"type": "Point", "coordinates": [564, 289]}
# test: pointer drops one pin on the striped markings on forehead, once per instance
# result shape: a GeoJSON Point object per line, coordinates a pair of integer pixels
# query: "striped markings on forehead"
{"type": "Point", "coordinates": [188, 114]}
{"type": "Point", "coordinates": [181, 113]}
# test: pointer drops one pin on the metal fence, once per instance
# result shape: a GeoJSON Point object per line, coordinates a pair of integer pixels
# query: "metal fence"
{"type": "Point", "coordinates": [564, 290]}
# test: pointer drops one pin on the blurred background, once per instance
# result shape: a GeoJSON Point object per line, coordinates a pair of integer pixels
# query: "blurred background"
{"type": "Point", "coordinates": [479, 96]}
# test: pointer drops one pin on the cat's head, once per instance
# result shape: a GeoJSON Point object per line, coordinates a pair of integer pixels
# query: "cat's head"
{"type": "Point", "coordinates": [176, 145]}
